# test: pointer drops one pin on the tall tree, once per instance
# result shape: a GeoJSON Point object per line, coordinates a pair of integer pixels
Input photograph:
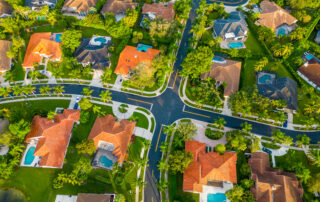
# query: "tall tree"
{"type": "Point", "coordinates": [71, 39]}
{"type": "Point", "coordinates": [179, 160]}
{"type": "Point", "coordinates": [105, 96]}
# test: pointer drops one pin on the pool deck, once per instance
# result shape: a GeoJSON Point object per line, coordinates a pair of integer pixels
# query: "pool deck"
{"type": "Point", "coordinates": [213, 190]}
{"type": "Point", "coordinates": [36, 160]}
{"type": "Point", "coordinates": [225, 45]}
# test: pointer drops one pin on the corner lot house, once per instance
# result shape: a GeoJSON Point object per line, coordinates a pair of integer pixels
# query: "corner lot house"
{"type": "Point", "coordinates": [5, 61]}
{"type": "Point", "coordinates": [41, 48]}
{"type": "Point", "coordinates": [111, 139]}
{"type": "Point", "coordinates": [157, 10]}
{"type": "Point", "coordinates": [225, 71]}
{"type": "Point", "coordinates": [272, 185]}
{"type": "Point", "coordinates": [48, 140]}
{"type": "Point", "coordinates": [78, 8]}
{"type": "Point", "coordinates": [94, 52]}
{"type": "Point", "coordinates": [310, 71]}
{"type": "Point", "coordinates": [282, 88]}
{"type": "Point", "coordinates": [276, 18]}
{"type": "Point", "coordinates": [131, 56]}
{"type": "Point", "coordinates": [210, 173]}
{"type": "Point", "coordinates": [38, 4]}
{"type": "Point", "coordinates": [233, 30]}
{"type": "Point", "coordinates": [5, 9]}
{"type": "Point", "coordinates": [118, 7]}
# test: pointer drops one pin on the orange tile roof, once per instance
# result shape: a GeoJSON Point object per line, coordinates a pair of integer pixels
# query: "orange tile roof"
{"type": "Point", "coordinates": [130, 57]}
{"type": "Point", "coordinates": [160, 10]}
{"type": "Point", "coordinates": [109, 130]}
{"type": "Point", "coordinates": [272, 184]}
{"type": "Point", "coordinates": [80, 5]}
{"type": "Point", "coordinates": [41, 43]}
{"type": "Point", "coordinates": [208, 166]}
{"type": "Point", "coordinates": [273, 16]}
{"type": "Point", "coordinates": [53, 137]}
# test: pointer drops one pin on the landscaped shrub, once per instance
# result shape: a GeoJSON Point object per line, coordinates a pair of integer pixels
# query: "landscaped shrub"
{"type": "Point", "coordinates": [270, 145]}
{"type": "Point", "coordinates": [213, 135]}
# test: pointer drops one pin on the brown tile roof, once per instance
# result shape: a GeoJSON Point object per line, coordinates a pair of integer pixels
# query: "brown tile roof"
{"type": "Point", "coordinates": [5, 8]}
{"type": "Point", "coordinates": [273, 185]}
{"type": "Point", "coordinates": [80, 5]}
{"type": "Point", "coordinates": [117, 133]}
{"type": "Point", "coordinates": [41, 43]}
{"type": "Point", "coordinates": [5, 61]}
{"type": "Point", "coordinates": [312, 72]}
{"type": "Point", "coordinates": [118, 6]}
{"type": "Point", "coordinates": [208, 166]}
{"type": "Point", "coordinates": [160, 10]}
{"type": "Point", "coordinates": [93, 197]}
{"type": "Point", "coordinates": [273, 16]}
{"type": "Point", "coordinates": [130, 57]}
{"type": "Point", "coordinates": [53, 137]}
{"type": "Point", "coordinates": [228, 72]}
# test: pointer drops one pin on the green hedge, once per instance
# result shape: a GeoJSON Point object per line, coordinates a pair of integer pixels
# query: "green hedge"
{"type": "Point", "coordinates": [213, 135]}
{"type": "Point", "coordinates": [270, 145]}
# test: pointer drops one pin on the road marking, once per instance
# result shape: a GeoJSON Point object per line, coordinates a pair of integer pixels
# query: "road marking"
{"type": "Point", "coordinates": [175, 78]}
{"type": "Point", "coordinates": [152, 199]}
{"type": "Point", "coordinates": [197, 114]}
{"type": "Point", "coordinates": [151, 107]}
{"type": "Point", "coordinates": [140, 101]}
{"type": "Point", "coordinates": [184, 107]}
{"type": "Point", "coordinates": [158, 138]}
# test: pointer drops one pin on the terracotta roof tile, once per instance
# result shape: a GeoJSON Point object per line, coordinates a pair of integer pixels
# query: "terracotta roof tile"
{"type": "Point", "coordinates": [160, 10]}
{"type": "Point", "coordinates": [80, 5]}
{"type": "Point", "coordinates": [312, 72]}
{"type": "Point", "coordinates": [228, 72]}
{"type": "Point", "coordinates": [53, 137]}
{"type": "Point", "coordinates": [272, 184]}
{"type": "Point", "coordinates": [273, 16]}
{"type": "Point", "coordinates": [118, 6]}
{"type": "Point", "coordinates": [41, 43]}
{"type": "Point", "coordinates": [109, 130]}
{"type": "Point", "coordinates": [208, 166]}
{"type": "Point", "coordinates": [130, 57]}
{"type": "Point", "coordinates": [5, 61]}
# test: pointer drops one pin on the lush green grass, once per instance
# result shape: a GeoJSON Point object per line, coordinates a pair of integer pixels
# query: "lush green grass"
{"type": "Point", "coordinates": [248, 76]}
{"type": "Point", "coordinates": [141, 120]}
{"type": "Point", "coordinates": [153, 124]}
{"type": "Point", "coordinates": [279, 68]}
{"type": "Point", "coordinates": [18, 72]}
{"type": "Point", "coordinates": [270, 145]}
{"type": "Point", "coordinates": [253, 45]}
{"type": "Point", "coordinates": [176, 192]}
{"type": "Point", "coordinates": [89, 31]}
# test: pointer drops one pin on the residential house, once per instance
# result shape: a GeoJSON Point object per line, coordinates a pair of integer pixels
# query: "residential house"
{"type": "Point", "coordinates": [282, 88]}
{"type": "Point", "coordinates": [225, 71]}
{"type": "Point", "coordinates": [38, 4]}
{"type": "Point", "coordinates": [5, 9]}
{"type": "Point", "coordinates": [209, 169]}
{"type": "Point", "coordinates": [118, 7]}
{"type": "Point", "coordinates": [276, 18]}
{"type": "Point", "coordinates": [5, 61]}
{"type": "Point", "coordinates": [41, 48]}
{"type": "Point", "coordinates": [78, 8]}
{"type": "Point", "coordinates": [48, 139]}
{"type": "Point", "coordinates": [273, 185]}
{"type": "Point", "coordinates": [233, 30]}
{"type": "Point", "coordinates": [94, 51]}
{"type": "Point", "coordinates": [111, 139]}
{"type": "Point", "coordinates": [152, 11]}
{"type": "Point", "coordinates": [86, 197]}
{"type": "Point", "coordinates": [131, 56]}
{"type": "Point", "coordinates": [317, 38]}
{"type": "Point", "coordinates": [310, 72]}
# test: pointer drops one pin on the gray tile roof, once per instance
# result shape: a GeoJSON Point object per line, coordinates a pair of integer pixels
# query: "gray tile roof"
{"type": "Point", "coordinates": [39, 3]}
{"type": "Point", "coordinates": [97, 56]}
{"type": "Point", "coordinates": [236, 23]}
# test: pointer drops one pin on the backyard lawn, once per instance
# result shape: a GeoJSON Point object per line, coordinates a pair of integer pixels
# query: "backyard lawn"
{"type": "Point", "coordinates": [175, 190]}
{"type": "Point", "coordinates": [253, 45]}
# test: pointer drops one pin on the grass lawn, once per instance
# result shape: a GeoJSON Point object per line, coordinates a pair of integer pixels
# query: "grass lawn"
{"type": "Point", "coordinates": [141, 120]}
{"type": "Point", "coordinates": [18, 72]}
{"type": "Point", "coordinates": [176, 192]}
{"type": "Point", "coordinates": [253, 45]}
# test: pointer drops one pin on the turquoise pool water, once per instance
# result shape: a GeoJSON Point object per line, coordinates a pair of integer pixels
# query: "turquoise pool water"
{"type": "Point", "coordinates": [309, 56]}
{"type": "Point", "coordinates": [217, 58]}
{"type": "Point", "coordinates": [236, 45]}
{"type": "Point", "coordinates": [58, 37]}
{"type": "Point", "coordinates": [101, 40]}
{"type": "Point", "coordinates": [218, 197]}
{"type": "Point", "coordinates": [281, 32]}
{"type": "Point", "coordinates": [264, 79]}
{"type": "Point", "coordinates": [105, 161]}
{"type": "Point", "coordinates": [29, 156]}
{"type": "Point", "coordinates": [143, 47]}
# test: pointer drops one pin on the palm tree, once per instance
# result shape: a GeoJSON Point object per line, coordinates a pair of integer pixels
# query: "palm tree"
{"type": "Point", "coordinates": [51, 115]}
{"type": "Point", "coordinates": [316, 157]}
{"type": "Point", "coordinates": [8, 76]}
{"type": "Point", "coordinates": [164, 147]}
{"type": "Point", "coordinates": [304, 175]}
{"type": "Point", "coordinates": [163, 165]}
{"type": "Point", "coordinates": [45, 90]}
{"type": "Point", "coordinates": [169, 130]}
{"type": "Point", "coordinates": [17, 90]}
{"type": "Point", "coordinates": [246, 127]}
{"type": "Point", "coordinates": [5, 92]}
{"type": "Point", "coordinates": [162, 185]}
{"type": "Point", "coordinates": [141, 183]}
{"type": "Point", "coordinates": [87, 92]}
{"type": "Point", "coordinates": [303, 140]}
{"type": "Point", "coordinates": [105, 96]}
{"type": "Point", "coordinates": [220, 122]}
{"type": "Point", "coordinates": [28, 90]}
{"type": "Point", "coordinates": [59, 90]}
{"type": "Point", "coordinates": [34, 75]}
{"type": "Point", "coordinates": [96, 109]}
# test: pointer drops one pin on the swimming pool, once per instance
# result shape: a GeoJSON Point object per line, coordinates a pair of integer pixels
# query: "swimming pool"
{"type": "Point", "coordinates": [281, 32]}
{"type": "Point", "coordinates": [218, 197]}
{"type": "Point", "coordinates": [217, 58]}
{"type": "Point", "coordinates": [58, 37]}
{"type": "Point", "coordinates": [105, 161]}
{"type": "Point", "coordinates": [264, 79]}
{"type": "Point", "coordinates": [143, 48]}
{"type": "Point", "coordinates": [101, 40]}
{"type": "Point", "coordinates": [236, 45]}
{"type": "Point", "coordinates": [29, 156]}
{"type": "Point", "coordinates": [309, 56]}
